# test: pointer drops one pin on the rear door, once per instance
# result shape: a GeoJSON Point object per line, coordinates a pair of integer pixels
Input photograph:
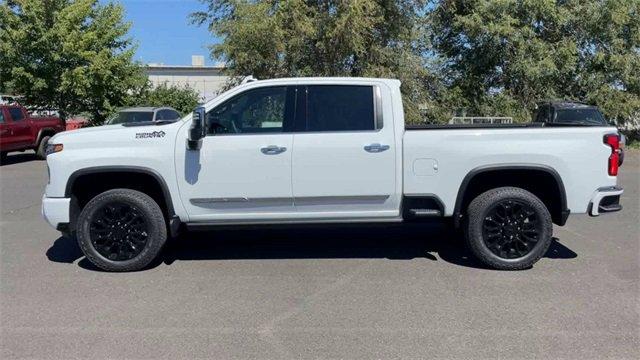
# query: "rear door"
{"type": "Point", "coordinates": [344, 158]}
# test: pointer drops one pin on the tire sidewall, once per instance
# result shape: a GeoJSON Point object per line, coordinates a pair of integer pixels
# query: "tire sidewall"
{"type": "Point", "coordinates": [483, 204]}
{"type": "Point", "coordinates": [152, 214]}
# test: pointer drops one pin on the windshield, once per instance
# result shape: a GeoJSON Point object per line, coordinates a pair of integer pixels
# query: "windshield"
{"type": "Point", "coordinates": [579, 116]}
{"type": "Point", "coordinates": [131, 117]}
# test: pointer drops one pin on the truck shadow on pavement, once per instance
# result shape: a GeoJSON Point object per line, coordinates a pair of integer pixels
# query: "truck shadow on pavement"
{"type": "Point", "coordinates": [18, 158]}
{"type": "Point", "coordinates": [327, 242]}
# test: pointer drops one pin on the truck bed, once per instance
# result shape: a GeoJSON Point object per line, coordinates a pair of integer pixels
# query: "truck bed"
{"type": "Point", "coordinates": [436, 162]}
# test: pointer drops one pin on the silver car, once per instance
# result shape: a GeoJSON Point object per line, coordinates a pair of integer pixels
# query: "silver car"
{"type": "Point", "coordinates": [144, 114]}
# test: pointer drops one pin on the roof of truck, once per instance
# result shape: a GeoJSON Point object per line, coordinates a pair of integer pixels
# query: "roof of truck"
{"type": "Point", "coordinates": [321, 80]}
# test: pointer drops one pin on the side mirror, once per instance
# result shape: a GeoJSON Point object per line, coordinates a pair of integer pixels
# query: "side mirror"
{"type": "Point", "coordinates": [197, 130]}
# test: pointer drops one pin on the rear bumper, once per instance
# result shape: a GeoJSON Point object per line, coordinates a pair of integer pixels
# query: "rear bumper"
{"type": "Point", "coordinates": [56, 210]}
{"type": "Point", "coordinates": [604, 200]}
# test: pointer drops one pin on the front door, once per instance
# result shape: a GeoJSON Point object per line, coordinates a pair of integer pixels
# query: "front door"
{"type": "Point", "coordinates": [20, 128]}
{"type": "Point", "coordinates": [344, 159]}
{"type": "Point", "coordinates": [10, 132]}
{"type": "Point", "coordinates": [243, 169]}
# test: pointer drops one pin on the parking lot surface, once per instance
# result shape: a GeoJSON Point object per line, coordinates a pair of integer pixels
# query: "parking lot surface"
{"type": "Point", "coordinates": [338, 292]}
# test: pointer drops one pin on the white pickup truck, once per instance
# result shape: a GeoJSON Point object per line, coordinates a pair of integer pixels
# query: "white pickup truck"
{"type": "Point", "coordinates": [323, 150]}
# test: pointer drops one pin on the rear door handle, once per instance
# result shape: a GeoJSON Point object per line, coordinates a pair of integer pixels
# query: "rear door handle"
{"type": "Point", "coordinates": [376, 148]}
{"type": "Point", "coordinates": [273, 150]}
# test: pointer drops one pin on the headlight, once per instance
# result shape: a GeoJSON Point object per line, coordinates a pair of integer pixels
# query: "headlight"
{"type": "Point", "coordinates": [53, 148]}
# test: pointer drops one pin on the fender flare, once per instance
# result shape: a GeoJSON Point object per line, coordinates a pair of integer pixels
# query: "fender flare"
{"type": "Point", "coordinates": [124, 168]}
{"type": "Point", "coordinates": [457, 210]}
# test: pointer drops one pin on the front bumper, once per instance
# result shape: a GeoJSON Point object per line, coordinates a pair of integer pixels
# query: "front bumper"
{"type": "Point", "coordinates": [55, 210]}
{"type": "Point", "coordinates": [605, 199]}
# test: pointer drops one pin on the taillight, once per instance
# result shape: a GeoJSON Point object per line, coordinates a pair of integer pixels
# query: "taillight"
{"type": "Point", "coordinates": [613, 140]}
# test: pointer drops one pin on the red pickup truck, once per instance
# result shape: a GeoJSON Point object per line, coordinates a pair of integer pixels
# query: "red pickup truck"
{"type": "Point", "coordinates": [19, 131]}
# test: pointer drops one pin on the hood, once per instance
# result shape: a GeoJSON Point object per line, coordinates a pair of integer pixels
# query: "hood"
{"type": "Point", "coordinates": [117, 132]}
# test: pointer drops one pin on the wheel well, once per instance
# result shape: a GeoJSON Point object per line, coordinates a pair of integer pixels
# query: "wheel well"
{"type": "Point", "coordinates": [543, 183]}
{"type": "Point", "coordinates": [45, 132]}
{"type": "Point", "coordinates": [84, 187]}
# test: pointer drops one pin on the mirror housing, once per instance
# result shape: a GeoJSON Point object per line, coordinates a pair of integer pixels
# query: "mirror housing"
{"type": "Point", "coordinates": [197, 129]}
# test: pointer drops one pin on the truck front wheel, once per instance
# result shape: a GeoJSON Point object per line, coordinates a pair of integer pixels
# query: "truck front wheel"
{"type": "Point", "coordinates": [121, 230]}
{"type": "Point", "coordinates": [508, 228]}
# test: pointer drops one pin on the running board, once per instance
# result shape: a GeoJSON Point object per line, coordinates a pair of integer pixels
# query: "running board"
{"type": "Point", "coordinates": [425, 212]}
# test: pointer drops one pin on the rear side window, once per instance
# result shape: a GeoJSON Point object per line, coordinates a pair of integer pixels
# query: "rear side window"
{"type": "Point", "coordinates": [16, 114]}
{"type": "Point", "coordinates": [339, 108]}
{"type": "Point", "coordinates": [1, 116]}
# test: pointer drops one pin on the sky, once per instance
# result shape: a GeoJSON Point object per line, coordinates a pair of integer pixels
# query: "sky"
{"type": "Point", "coordinates": [163, 33]}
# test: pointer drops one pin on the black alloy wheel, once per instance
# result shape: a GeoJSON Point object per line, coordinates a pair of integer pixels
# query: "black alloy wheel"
{"type": "Point", "coordinates": [508, 228]}
{"type": "Point", "coordinates": [511, 229]}
{"type": "Point", "coordinates": [119, 231]}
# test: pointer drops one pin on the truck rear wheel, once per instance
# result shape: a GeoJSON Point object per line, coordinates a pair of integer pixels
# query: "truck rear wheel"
{"type": "Point", "coordinates": [121, 230]}
{"type": "Point", "coordinates": [41, 149]}
{"type": "Point", "coordinates": [508, 228]}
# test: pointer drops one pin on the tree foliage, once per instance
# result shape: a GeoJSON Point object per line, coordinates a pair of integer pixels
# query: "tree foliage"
{"type": "Point", "coordinates": [281, 38]}
{"type": "Point", "coordinates": [503, 56]}
{"type": "Point", "coordinates": [482, 57]}
{"type": "Point", "coordinates": [183, 99]}
{"type": "Point", "coordinates": [71, 55]}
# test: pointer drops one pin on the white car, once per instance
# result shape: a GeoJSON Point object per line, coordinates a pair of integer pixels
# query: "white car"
{"type": "Point", "coordinates": [324, 150]}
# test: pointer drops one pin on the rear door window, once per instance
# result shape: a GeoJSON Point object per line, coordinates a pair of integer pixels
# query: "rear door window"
{"type": "Point", "coordinates": [339, 108]}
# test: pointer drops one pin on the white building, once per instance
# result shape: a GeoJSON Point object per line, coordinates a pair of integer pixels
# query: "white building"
{"type": "Point", "coordinates": [208, 81]}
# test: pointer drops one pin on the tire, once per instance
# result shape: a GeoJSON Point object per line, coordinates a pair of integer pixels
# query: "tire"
{"type": "Point", "coordinates": [42, 148]}
{"type": "Point", "coordinates": [3, 156]}
{"type": "Point", "coordinates": [499, 234]}
{"type": "Point", "coordinates": [121, 230]}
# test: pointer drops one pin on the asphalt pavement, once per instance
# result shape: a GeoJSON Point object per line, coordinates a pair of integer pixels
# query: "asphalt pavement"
{"type": "Point", "coordinates": [338, 292]}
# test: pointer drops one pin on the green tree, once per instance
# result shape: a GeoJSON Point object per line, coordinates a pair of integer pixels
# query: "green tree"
{"type": "Point", "coordinates": [183, 99]}
{"type": "Point", "coordinates": [280, 38]}
{"type": "Point", "coordinates": [501, 57]}
{"type": "Point", "coordinates": [71, 55]}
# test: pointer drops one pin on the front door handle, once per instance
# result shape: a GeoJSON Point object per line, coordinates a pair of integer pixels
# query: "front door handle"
{"type": "Point", "coordinates": [376, 148]}
{"type": "Point", "coordinates": [273, 150]}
